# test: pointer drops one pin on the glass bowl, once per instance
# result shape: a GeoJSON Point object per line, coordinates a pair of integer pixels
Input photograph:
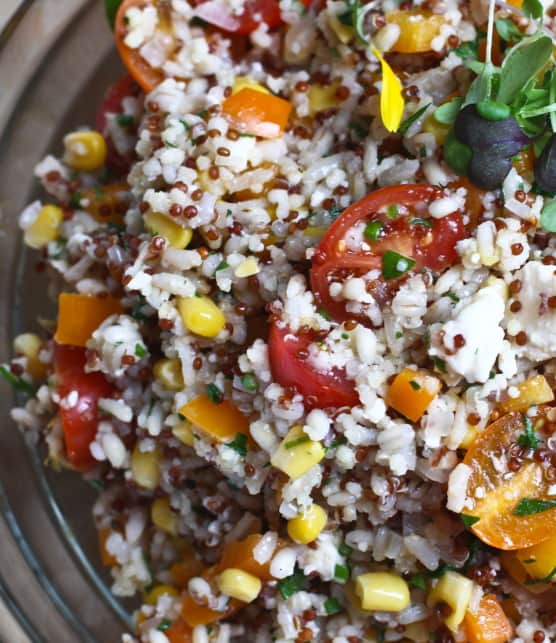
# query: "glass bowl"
{"type": "Point", "coordinates": [56, 60]}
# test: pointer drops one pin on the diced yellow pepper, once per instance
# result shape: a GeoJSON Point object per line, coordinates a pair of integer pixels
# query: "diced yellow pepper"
{"type": "Point", "coordinates": [201, 316]}
{"type": "Point", "coordinates": [85, 150]}
{"type": "Point", "coordinates": [242, 82]}
{"type": "Point", "coordinates": [454, 590]}
{"type": "Point", "coordinates": [323, 97]}
{"type": "Point", "coordinates": [297, 453]}
{"type": "Point", "coordinates": [45, 227]}
{"type": "Point", "coordinates": [539, 561]}
{"type": "Point", "coordinates": [418, 28]}
{"type": "Point", "coordinates": [145, 468]}
{"type": "Point", "coordinates": [151, 597]}
{"type": "Point", "coordinates": [382, 591]}
{"type": "Point", "coordinates": [163, 517]}
{"type": "Point", "coordinates": [438, 130]}
{"type": "Point", "coordinates": [168, 373]}
{"type": "Point", "coordinates": [159, 224]}
{"type": "Point", "coordinates": [307, 526]}
{"type": "Point", "coordinates": [184, 433]}
{"type": "Point", "coordinates": [29, 345]}
{"type": "Point", "coordinates": [238, 584]}
{"type": "Point", "coordinates": [535, 390]}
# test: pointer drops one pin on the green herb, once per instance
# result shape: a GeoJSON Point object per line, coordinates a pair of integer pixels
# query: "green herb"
{"type": "Point", "coordinates": [532, 9]}
{"type": "Point", "coordinates": [408, 122]}
{"type": "Point", "coordinates": [214, 394]}
{"type": "Point", "coordinates": [530, 560]}
{"type": "Point", "coordinates": [111, 9]}
{"type": "Point", "coordinates": [295, 443]}
{"type": "Point", "coordinates": [399, 334]}
{"type": "Point", "coordinates": [395, 265]}
{"type": "Point", "coordinates": [182, 417]}
{"type": "Point", "coordinates": [185, 124]}
{"type": "Point", "coordinates": [392, 211]}
{"type": "Point", "coordinates": [164, 625]}
{"type": "Point", "coordinates": [508, 30]}
{"type": "Point", "coordinates": [238, 444]}
{"type": "Point", "coordinates": [336, 442]}
{"type": "Point", "coordinates": [222, 265]}
{"type": "Point", "coordinates": [539, 581]}
{"type": "Point", "coordinates": [124, 120]}
{"type": "Point", "coordinates": [446, 114]}
{"type": "Point", "coordinates": [331, 606]}
{"type": "Point", "coordinates": [97, 484]}
{"type": "Point", "coordinates": [354, 17]}
{"type": "Point", "coordinates": [380, 633]}
{"type": "Point", "coordinates": [140, 350]}
{"type": "Point", "coordinates": [426, 223]}
{"type": "Point", "coordinates": [345, 550]}
{"type": "Point", "coordinates": [117, 227]}
{"type": "Point", "coordinates": [324, 313]}
{"type": "Point", "coordinates": [427, 339]}
{"type": "Point", "coordinates": [419, 581]}
{"type": "Point", "coordinates": [468, 50]}
{"type": "Point", "coordinates": [548, 217]}
{"type": "Point", "coordinates": [17, 382]}
{"type": "Point", "coordinates": [528, 439]}
{"type": "Point", "coordinates": [530, 506]}
{"type": "Point", "coordinates": [249, 382]}
{"type": "Point", "coordinates": [468, 521]}
{"type": "Point", "coordinates": [168, 144]}
{"type": "Point", "coordinates": [341, 573]}
{"type": "Point", "coordinates": [372, 230]}
{"type": "Point", "coordinates": [359, 129]}
{"type": "Point", "coordinates": [203, 113]}
{"type": "Point", "coordinates": [59, 247]}
{"type": "Point", "coordinates": [335, 212]}
{"type": "Point", "coordinates": [75, 201]}
{"type": "Point", "coordinates": [209, 628]}
{"type": "Point", "coordinates": [292, 584]}
{"type": "Point", "coordinates": [414, 385]}
{"type": "Point", "coordinates": [345, 335]}
{"type": "Point", "coordinates": [440, 364]}
{"type": "Point", "coordinates": [453, 297]}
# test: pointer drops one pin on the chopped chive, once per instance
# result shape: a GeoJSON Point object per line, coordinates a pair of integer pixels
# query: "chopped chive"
{"type": "Point", "coordinates": [372, 230]}
{"type": "Point", "coordinates": [238, 444]}
{"type": "Point", "coordinates": [18, 383]}
{"type": "Point", "coordinates": [440, 364]}
{"type": "Point", "coordinates": [294, 443]}
{"type": "Point", "coordinates": [222, 265]}
{"type": "Point", "coordinates": [249, 382]}
{"type": "Point", "coordinates": [399, 334]}
{"type": "Point", "coordinates": [426, 223]}
{"type": "Point", "coordinates": [392, 211]}
{"type": "Point", "coordinates": [164, 625]}
{"type": "Point", "coordinates": [419, 581]}
{"type": "Point", "coordinates": [395, 265]}
{"type": "Point", "coordinates": [75, 201]}
{"type": "Point", "coordinates": [414, 385]}
{"type": "Point", "coordinates": [345, 550]}
{"type": "Point", "coordinates": [408, 122]}
{"type": "Point", "coordinates": [140, 350]}
{"type": "Point", "coordinates": [345, 335]}
{"type": "Point", "coordinates": [341, 573]}
{"type": "Point", "coordinates": [539, 581]}
{"type": "Point", "coordinates": [528, 439]}
{"type": "Point", "coordinates": [124, 120]}
{"type": "Point", "coordinates": [292, 584]}
{"type": "Point", "coordinates": [331, 606]}
{"type": "Point", "coordinates": [214, 394]}
{"type": "Point", "coordinates": [453, 297]}
{"type": "Point", "coordinates": [323, 313]}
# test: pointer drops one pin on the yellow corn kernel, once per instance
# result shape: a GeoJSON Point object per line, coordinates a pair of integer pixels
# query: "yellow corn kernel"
{"type": "Point", "coordinates": [454, 590]}
{"type": "Point", "coordinates": [307, 526]}
{"type": "Point", "coordinates": [469, 437]}
{"type": "Point", "coordinates": [201, 316]}
{"type": "Point", "coordinates": [145, 468]}
{"type": "Point", "coordinates": [168, 373]}
{"type": "Point", "coordinates": [239, 584]}
{"type": "Point", "coordinates": [184, 433]}
{"type": "Point", "coordinates": [438, 130]}
{"type": "Point", "coordinates": [247, 268]}
{"type": "Point", "coordinates": [244, 82]}
{"type": "Point", "coordinates": [539, 561]}
{"type": "Point", "coordinates": [382, 591]}
{"type": "Point", "coordinates": [152, 596]}
{"type": "Point", "coordinates": [159, 224]}
{"type": "Point", "coordinates": [45, 227]}
{"type": "Point", "coordinates": [297, 453]}
{"type": "Point", "coordinates": [322, 97]}
{"type": "Point", "coordinates": [163, 517]}
{"type": "Point", "coordinates": [85, 151]}
{"type": "Point", "coordinates": [344, 32]}
{"type": "Point", "coordinates": [535, 390]}
{"type": "Point", "coordinates": [29, 345]}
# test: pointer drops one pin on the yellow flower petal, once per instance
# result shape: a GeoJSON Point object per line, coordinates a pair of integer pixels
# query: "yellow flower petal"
{"type": "Point", "coordinates": [391, 99]}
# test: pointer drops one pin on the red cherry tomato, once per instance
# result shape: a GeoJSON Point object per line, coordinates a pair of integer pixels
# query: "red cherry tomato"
{"type": "Point", "coordinates": [112, 104]}
{"type": "Point", "coordinates": [80, 421]}
{"type": "Point", "coordinates": [319, 389]}
{"type": "Point", "coordinates": [406, 229]}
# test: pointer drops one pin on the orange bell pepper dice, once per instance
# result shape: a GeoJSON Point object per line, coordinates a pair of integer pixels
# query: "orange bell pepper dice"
{"type": "Point", "coordinates": [80, 315]}
{"type": "Point", "coordinates": [489, 624]}
{"type": "Point", "coordinates": [221, 421]}
{"type": "Point", "coordinates": [411, 393]}
{"type": "Point", "coordinates": [252, 112]}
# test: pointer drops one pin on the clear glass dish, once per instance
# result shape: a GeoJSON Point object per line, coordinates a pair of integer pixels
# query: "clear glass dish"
{"type": "Point", "coordinates": [56, 59]}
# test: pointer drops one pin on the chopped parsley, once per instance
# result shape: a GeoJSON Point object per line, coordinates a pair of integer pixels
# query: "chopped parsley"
{"type": "Point", "coordinates": [372, 230]}
{"type": "Point", "coordinates": [140, 350]}
{"type": "Point", "coordinates": [468, 521]}
{"type": "Point", "coordinates": [75, 201]}
{"type": "Point", "coordinates": [345, 550]}
{"type": "Point", "coordinates": [331, 606]}
{"type": "Point", "coordinates": [295, 443]}
{"type": "Point", "coordinates": [136, 311]}
{"type": "Point", "coordinates": [440, 364]}
{"type": "Point", "coordinates": [124, 120]}
{"type": "Point", "coordinates": [341, 573]}
{"type": "Point", "coordinates": [528, 439]}
{"type": "Point", "coordinates": [292, 584]}
{"type": "Point", "coordinates": [345, 335]}
{"type": "Point", "coordinates": [164, 625]}
{"type": "Point", "coordinates": [414, 385]}
{"type": "Point", "coordinates": [426, 223]}
{"type": "Point", "coordinates": [399, 334]}
{"type": "Point", "coordinates": [238, 444]}
{"type": "Point", "coordinates": [336, 442]}
{"type": "Point", "coordinates": [419, 581]}
{"type": "Point", "coordinates": [408, 122]}
{"type": "Point", "coordinates": [249, 382]}
{"type": "Point", "coordinates": [214, 394]}
{"type": "Point", "coordinates": [222, 265]}
{"type": "Point", "coordinates": [539, 581]}
{"type": "Point", "coordinates": [323, 313]}
{"type": "Point", "coordinates": [395, 265]}
{"type": "Point", "coordinates": [453, 297]}
{"type": "Point", "coordinates": [530, 506]}
{"type": "Point", "coordinates": [17, 382]}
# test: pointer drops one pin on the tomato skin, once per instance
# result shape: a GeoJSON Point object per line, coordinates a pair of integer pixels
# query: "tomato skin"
{"type": "Point", "coordinates": [80, 422]}
{"type": "Point", "coordinates": [320, 390]}
{"type": "Point", "coordinates": [431, 247]}
{"type": "Point", "coordinates": [112, 104]}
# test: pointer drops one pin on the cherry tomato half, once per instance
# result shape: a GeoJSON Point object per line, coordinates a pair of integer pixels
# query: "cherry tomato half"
{"type": "Point", "coordinates": [494, 491]}
{"type": "Point", "coordinates": [80, 420]}
{"type": "Point", "coordinates": [319, 389]}
{"type": "Point", "coordinates": [112, 104]}
{"type": "Point", "coordinates": [402, 225]}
